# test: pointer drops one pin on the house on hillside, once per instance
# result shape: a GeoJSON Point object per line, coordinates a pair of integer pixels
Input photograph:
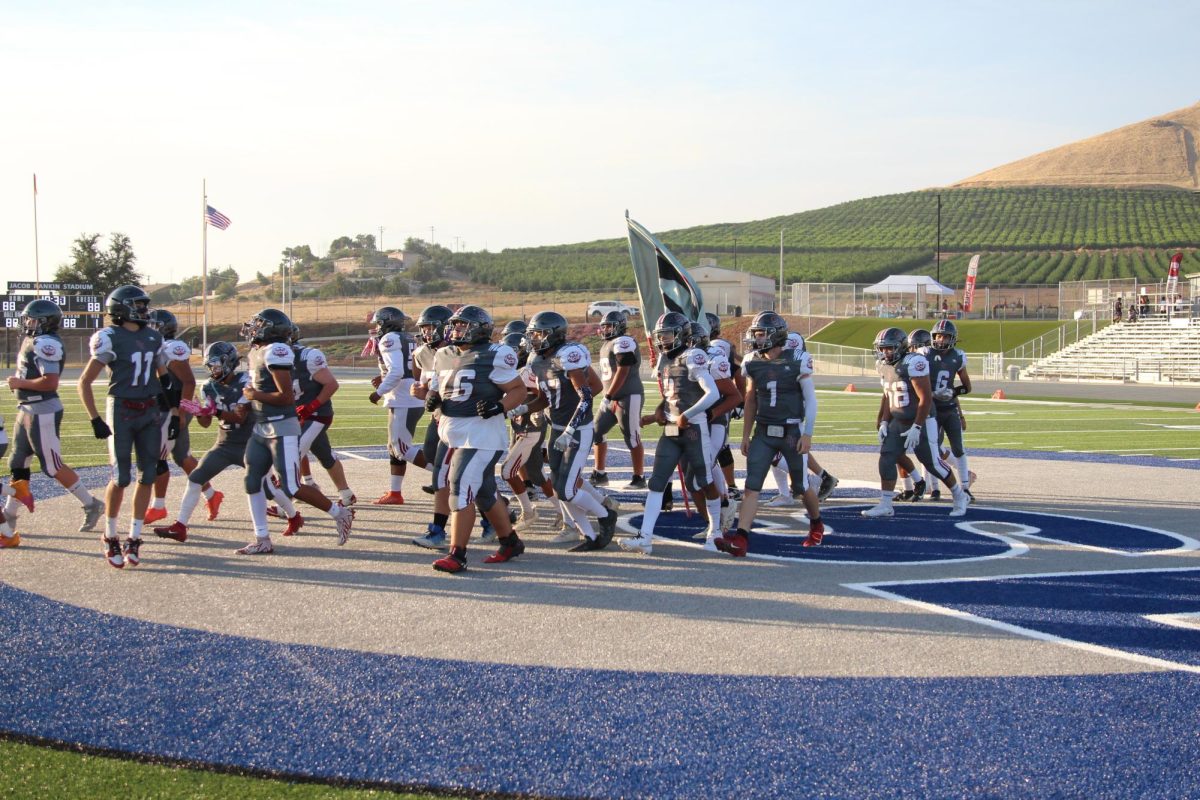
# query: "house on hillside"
{"type": "Point", "coordinates": [727, 292]}
{"type": "Point", "coordinates": [385, 264]}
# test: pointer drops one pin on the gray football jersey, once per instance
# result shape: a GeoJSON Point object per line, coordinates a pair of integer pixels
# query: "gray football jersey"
{"type": "Point", "coordinates": [897, 381]}
{"type": "Point", "coordinates": [681, 385]}
{"type": "Point", "coordinates": [777, 392]}
{"type": "Point", "coordinates": [309, 361]}
{"type": "Point", "coordinates": [465, 378]}
{"type": "Point", "coordinates": [132, 358]}
{"type": "Point", "coordinates": [613, 353]}
{"type": "Point", "coordinates": [423, 359]}
{"type": "Point", "coordinates": [226, 397]}
{"type": "Point", "coordinates": [262, 377]}
{"type": "Point", "coordinates": [554, 382]}
{"type": "Point", "coordinates": [40, 355]}
{"type": "Point", "coordinates": [943, 366]}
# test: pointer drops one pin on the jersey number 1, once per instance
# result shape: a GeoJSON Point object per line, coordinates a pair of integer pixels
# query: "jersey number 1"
{"type": "Point", "coordinates": [140, 374]}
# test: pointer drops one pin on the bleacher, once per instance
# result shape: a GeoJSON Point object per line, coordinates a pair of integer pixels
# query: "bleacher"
{"type": "Point", "coordinates": [1151, 350]}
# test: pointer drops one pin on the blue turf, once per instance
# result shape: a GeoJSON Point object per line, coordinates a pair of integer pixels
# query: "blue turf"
{"type": "Point", "coordinates": [103, 681]}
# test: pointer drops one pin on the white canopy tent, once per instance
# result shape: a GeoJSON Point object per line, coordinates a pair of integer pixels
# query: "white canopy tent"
{"type": "Point", "coordinates": [909, 284]}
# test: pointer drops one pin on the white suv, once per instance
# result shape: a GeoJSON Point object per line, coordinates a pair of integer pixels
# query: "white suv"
{"type": "Point", "coordinates": [598, 309]}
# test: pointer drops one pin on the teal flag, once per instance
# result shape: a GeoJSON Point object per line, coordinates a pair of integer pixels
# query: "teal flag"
{"type": "Point", "coordinates": [663, 284]}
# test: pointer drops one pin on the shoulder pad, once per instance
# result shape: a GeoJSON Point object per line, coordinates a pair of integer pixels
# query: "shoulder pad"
{"type": "Point", "coordinates": [696, 357]}
{"type": "Point", "coordinates": [573, 356]}
{"type": "Point", "coordinates": [917, 364]}
{"type": "Point", "coordinates": [279, 355]}
{"type": "Point", "coordinates": [315, 359]}
{"type": "Point", "coordinates": [625, 344]}
{"type": "Point", "coordinates": [176, 350]}
{"type": "Point", "coordinates": [389, 341]}
{"type": "Point", "coordinates": [507, 356]}
{"type": "Point", "coordinates": [48, 348]}
{"type": "Point", "coordinates": [101, 342]}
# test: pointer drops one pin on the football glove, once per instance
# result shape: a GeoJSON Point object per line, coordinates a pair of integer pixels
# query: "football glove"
{"type": "Point", "coordinates": [518, 411]}
{"type": "Point", "coordinates": [737, 413]}
{"type": "Point", "coordinates": [432, 401]}
{"type": "Point", "coordinates": [307, 410]}
{"type": "Point", "coordinates": [944, 395]}
{"type": "Point", "coordinates": [912, 437]}
{"type": "Point", "coordinates": [883, 431]}
{"type": "Point", "coordinates": [100, 428]}
{"type": "Point", "coordinates": [488, 408]}
{"type": "Point", "coordinates": [564, 440]}
{"type": "Point", "coordinates": [173, 429]}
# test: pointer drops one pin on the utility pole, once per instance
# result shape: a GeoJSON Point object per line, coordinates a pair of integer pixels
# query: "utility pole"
{"type": "Point", "coordinates": [381, 238]}
{"type": "Point", "coordinates": [735, 269]}
{"type": "Point", "coordinates": [431, 239]}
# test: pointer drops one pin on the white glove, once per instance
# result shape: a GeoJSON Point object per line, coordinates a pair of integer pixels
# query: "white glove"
{"type": "Point", "coordinates": [883, 429]}
{"type": "Point", "coordinates": [564, 440]}
{"type": "Point", "coordinates": [945, 394]}
{"type": "Point", "coordinates": [605, 405]}
{"type": "Point", "coordinates": [911, 437]}
{"type": "Point", "coordinates": [516, 412]}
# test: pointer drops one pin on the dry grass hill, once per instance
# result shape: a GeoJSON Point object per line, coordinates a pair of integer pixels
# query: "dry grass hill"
{"type": "Point", "coordinates": [1156, 152]}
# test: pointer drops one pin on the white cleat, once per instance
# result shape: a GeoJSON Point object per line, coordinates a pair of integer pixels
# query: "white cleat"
{"type": "Point", "coordinates": [557, 523]}
{"type": "Point", "coordinates": [566, 536]}
{"type": "Point", "coordinates": [781, 501]}
{"type": "Point", "coordinates": [638, 544]}
{"type": "Point", "coordinates": [876, 512]}
{"type": "Point", "coordinates": [711, 545]}
{"type": "Point", "coordinates": [960, 506]}
{"type": "Point", "coordinates": [256, 548]}
{"type": "Point", "coordinates": [344, 520]}
{"type": "Point", "coordinates": [729, 516]}
{"type": "Point", "coordinates": [526, 521]}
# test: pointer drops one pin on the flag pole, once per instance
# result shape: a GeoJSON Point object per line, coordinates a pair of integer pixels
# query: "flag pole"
{"type": "Point", "coordinates": [204, 268]}
{"type": "Point", "coordinates": [37, 260]}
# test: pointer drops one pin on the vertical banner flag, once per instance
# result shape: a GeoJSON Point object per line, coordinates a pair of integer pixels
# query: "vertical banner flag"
{"type": "Point", "coordinates": [216, 218]}
{"type": "Point", "coordinates": [663, 284]}
{"type": "Point", "coordinates": [969, 292]}
{"type": "Point", "coordinates": [1173, 277]}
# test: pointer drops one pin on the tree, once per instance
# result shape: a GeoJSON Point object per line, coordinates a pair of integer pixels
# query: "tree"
{"type": "Point", "coordinates": [104, 269]}
{"type": "Point", "coordinates": [263, 280]}
{"type": "Point", "coordinates": [412, 245]}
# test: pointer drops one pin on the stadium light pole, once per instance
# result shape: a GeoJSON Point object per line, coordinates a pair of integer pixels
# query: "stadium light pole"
{"type": "Point", "coordinates": [939, 238]}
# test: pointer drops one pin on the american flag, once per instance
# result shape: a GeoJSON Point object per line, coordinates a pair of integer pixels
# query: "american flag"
{"type": "Point", "coordinates": [216, 218]}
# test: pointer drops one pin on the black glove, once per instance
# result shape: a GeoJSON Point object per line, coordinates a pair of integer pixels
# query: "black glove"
{"type": "Point", "coordinates": [100, 428]}
{"type": "Point", "coordinates": [488, 408]}
{"type": "Point", "coordinates": [164, 405]}
{"type": "Point", "coordinates": [173, 429]}
{"type": "Point", "coordinates": [433, 401]}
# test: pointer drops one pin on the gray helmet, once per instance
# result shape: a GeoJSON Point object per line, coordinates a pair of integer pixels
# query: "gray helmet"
{"type": "Point", "coordinates": [41, 316]}
{"type": "Point", "coordinates": [714, 324]}
{"type": "Point", "coordinates": [164, 322]}
{"type": "Point", "coordinates": [613, 325]}
{"type": "Point", "coordinates": [895, 341]}
{"type": "Point", "coordinates": [432, 323]}
{"type": "Point", "coordinates": [547, 330]}
{"type": "Point", "coordinates": [698, 335]}
{"type": "Point", "coordinates": [767, 331]}
{"type": "Point", "coordinates": [678, 327]}
{"type": "Point", "coordinates": [918, 339]}
{"type": "Point", "coordinates": [479, 326]}
{"type": "Point", "coordinates": [221, 358]}
{"type": "Point", "coordinates": [128, 304]}
{"type": "Point", "coordinates": [387, 319]}
{"type": "Point", "coordinates": [268, 325]}
{"type": "Point", "coordinates": [517, 342]}
{"type": "Point", "coordinates": [515, 326]}
{"type": "Point", "coordinates": [949, 333]}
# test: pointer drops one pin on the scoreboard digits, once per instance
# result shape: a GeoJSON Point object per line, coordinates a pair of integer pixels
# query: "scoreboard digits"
{"type": "Point", "coordinates": [81, 309]}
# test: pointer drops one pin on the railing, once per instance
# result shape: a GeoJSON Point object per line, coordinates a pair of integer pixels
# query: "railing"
{"type": "Point", "coordinates": [1053, 341]}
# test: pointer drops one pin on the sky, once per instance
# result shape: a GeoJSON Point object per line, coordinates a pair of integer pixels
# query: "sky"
{"type": "Point", "coordinates": [493, 125]}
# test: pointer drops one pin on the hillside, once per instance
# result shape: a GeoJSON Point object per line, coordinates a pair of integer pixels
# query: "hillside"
{"type": "Point", "coordinates": [1155, 152]}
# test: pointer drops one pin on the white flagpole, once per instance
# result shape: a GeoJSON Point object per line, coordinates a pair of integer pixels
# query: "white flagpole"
{"type": "Point", "coordinates": [204, 269]}
{"type": "Point", "coordinates": [37, 261]}
{"type": "Point", "coordinates": [781, 270]}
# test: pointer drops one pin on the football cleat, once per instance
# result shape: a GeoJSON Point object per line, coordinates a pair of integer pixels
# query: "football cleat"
{"type": "Point", "coordinates": [214, 505]}
{"type": "Point", "coordinates": [636, 482]}
{"type": "Point", "coordinates": [273, 511]}
{"type": "Point", "coordinates": [20, 490]}
{"type": "Point", "coordinates": [735, 493]}
{"type": "Point", "coordinates": [510, 548]}
{"type": "Point", "coordinates": [257, 547]}
{"type": "Point", "coordinates": [960, 506]}
{"type": "Point", "coordinates": [816, 534]}
{"type": "Point", "coordinates": [487, 534]}
{"type": "Point", "coordinates": [10, 541]}
{"type": "Point", "coordinates": [598, 478]}
{"type": "Point", "coordinates": [587, 545]}
{"type": "Point", "coordinates": [565, 536]}
{"type": "Point", "coordinates": [450, 563]}
{"type": "Point", "coordinates": [430, 489]}
{"type": "Point", "coordinates": [294, 524]}
{"type": "Point", "coordinates": [918, 491]}
{"type": "Point", "coordinates": [828, 484]}
{"type": "Point", "coordinates": [711, 545]}
{"type": "Point", "coordinates": [736, 544]}
{"type": "Point", "coordinates": [669, 501]}
{"type": "Point", "coordinates": [91, 515]}
{"type": "Point", "coordinates": [176, 530]}
{"type": "Point", "coordinates": [729, 515]}
{"type": "Point", "coordinates": [154, 515]}
{"type": "Point", "coordinates": [875, 512]}
{"type": "Point", "coordinates": [638, 544]}
{"type": "Point", "coordinates": [112, 552]}
{"type": "Point", "coordinates": [526, 520]}
{"type": "Point", "coordinates": [970, 497]}
{"type": "Point", "coordinates": [936, 494]}
{"type": "Point", "coordinates": [608, 527]}
{"type": "Point", "coordinates": [390, 499]}
{"type": "Point", "coordinates": [781, 501]}
{"type": "Point", "coordinates": [904, 496]}
{"type": "Point", "coordinates": [344, 520]}
{"type": "Point", "coordinates": [434, 539]}
{"type": "Point", "coordinates": [130, 551]}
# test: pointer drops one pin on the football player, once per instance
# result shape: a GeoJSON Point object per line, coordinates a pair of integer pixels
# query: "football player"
{"type": "Point", "coordinates": [524, 459]}
{"type": "Point", "coordinates": [946, 361]}
{"type": "Point", "coordinates": [316, 385]}
{"type": "Point", "coordinates": [394, 350]}
{"type": "Point", "coordinates": [433, 332]}
{"type": "Point", "coordinates": [132, 353]}
{"type": "Point", "coordinates": [725, 455]}
{"type": "Point", "coordinates": [620, 363]}
{"type": "Point", "coordinates": [904, 420]}
{"type": "Point", "coordinates": [39, 416]}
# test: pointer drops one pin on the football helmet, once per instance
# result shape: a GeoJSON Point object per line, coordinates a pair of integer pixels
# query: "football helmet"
{"type": "Point", "coordinates": [698, 336]}
{"type": "Point", "coordinates": [547, 331]}
{"type": "Point", "coordinates": [671, 333]}
{"type": "Point", "coordinates": [164, 322]}
{"type": "Point", "coordinates": [470, 325]}
{"type": "Point", "coordinates": [890, 345]}
{"type": "Point", "coordinates": [41, 316]}
{"type": "Point", "coordinates": [515, 326]}
{"type": "Point", "coordinates": [714, 325]}
{"type": "Point", "coordinates": [517, 342]}
{"type": "Point", "coordinates": [221, 358]}
{"type": "Point", "coordinates": [918, 339]}
{"type": "Point", "coordinates": [268, 325]}
{"type": "Point", "coordinates": [128, 304]}
{"type": "Point", "coordinates": [387, 319]}
{"type": "Point", "coordinates": [767, 331]}
{"type": "Point", "coordinates": [294, 336]}
{"type": "Point", "coordinates": [945, 334]}
{"type": "Point", "coordinates": [432, 323]}
{"type": "Point", "coordinates": [612, 326]}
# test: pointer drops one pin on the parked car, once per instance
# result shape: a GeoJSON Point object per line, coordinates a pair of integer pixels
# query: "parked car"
{"type": "Point", "coordinates": [598, 309]}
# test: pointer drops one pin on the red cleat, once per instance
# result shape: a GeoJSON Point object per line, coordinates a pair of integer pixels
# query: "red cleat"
{"type": "Point", "coordinates": [154, 515]}
{"type": "Point", "coordinates": [816, 534]}
{"type": "Point", "coordinates": [273, 511]}
{"type": "Point", "coordinates": [736, 544]}
{"type": "Point", "coordinates": [450, 563]}
{"type": "Point", "coordinates": [176, 530]}
{"type": "Point", "coordinates": [294, 525]}
{"type": "Point", "coordinates": [510, 548]}
{"type": "Point", "coordinates": [214, 505]}
{"type": "Point", "coordinates": [391, 499]}
{"type": "Point", "coordinates": [21, 492]}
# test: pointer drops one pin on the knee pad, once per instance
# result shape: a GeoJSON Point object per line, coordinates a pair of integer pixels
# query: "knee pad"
{"type": "Point", "coordinates": [21, 473]}
{"type": "Point", "coordinates": [396, 462]}
{"type": "Point", "coordinates": [122, 482]}
{"type": "Point", "coordinates": [725, 457]}
{"type": "Point", "coordinates": [887, 468]}
{"type": "Point", "coordinates": [162, 468]}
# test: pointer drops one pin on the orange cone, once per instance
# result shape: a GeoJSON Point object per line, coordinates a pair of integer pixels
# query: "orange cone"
{"type": "Point", "coordinates": [850, 388]}
{"type": "Point", "coordinates": [999, 395]}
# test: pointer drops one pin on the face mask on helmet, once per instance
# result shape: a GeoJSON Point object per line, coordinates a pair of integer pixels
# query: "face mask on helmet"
{"type": "Point", "coordinates": [891, 345]}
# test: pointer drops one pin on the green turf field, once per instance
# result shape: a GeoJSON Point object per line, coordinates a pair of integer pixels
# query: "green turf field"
{"type": "Point", "coordinates": [844, 418]}
{"type": "Point", "coordinates": [974, 335]}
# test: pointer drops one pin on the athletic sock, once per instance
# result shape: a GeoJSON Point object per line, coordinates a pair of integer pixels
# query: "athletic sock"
{"type": "Point", "coordinates": [885, 498]}
{"type": "Point", "coordinates": [586, 501]}
{"type": "Point", "coordinates": [110, 527]}
{"type": "Point", "coordinates": [714, 517]}
{"type": "Point", "coordinates": [964, 474]}
{"type": "Point", "coordinates": [526, 503]}
{"type": "Point", "coordinates": [908, 482]}
{"type": "Point", "coordinates": [347, 496]}
{"type": "Point", "coordinates": [397, 483]}
{"type": "Point", "coordinates": [160, 503]}
{"type": "Point", "coordinates": [135, 529]}
{"type": "Point", "coordinates": [209, 492]}
{"type": "Point", "coordinates": [285, 504]}
{"type": "Point", "coordinates": [650, 512]}
{"type": "Point", "coordinates": [82, 494]}
{"type": "Point", "coordinates": [191, 498]}
{"type": "Point", "coordinates": [258, 513]}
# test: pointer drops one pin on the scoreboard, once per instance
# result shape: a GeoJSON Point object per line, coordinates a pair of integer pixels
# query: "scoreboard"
{"type": "Point", "coordinates": [82, 308]}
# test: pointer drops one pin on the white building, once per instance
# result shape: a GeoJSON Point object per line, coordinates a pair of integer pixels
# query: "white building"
{"type": "Point", "coordinates": [725, 291]}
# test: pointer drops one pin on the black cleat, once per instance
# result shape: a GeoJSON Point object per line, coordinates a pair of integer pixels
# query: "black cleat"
{"type": "Point", "coordinates": [636, 482]}
{"type": "Point", "coordinates": [936, 494]}
{"type": "Point", "coordinates": [918, 491]}
{"type": "Point", "coordinates": [587, 545]}
{"type": "Point", "coordinates": [608, 527]}
{"type": "Point", "coordinates": [905, 496]}
{"type": "Point", "coordinates": [828, 484]}
{"type": "Point", "coordinates": [598, 478]}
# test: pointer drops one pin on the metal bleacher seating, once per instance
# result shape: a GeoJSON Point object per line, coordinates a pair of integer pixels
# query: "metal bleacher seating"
{"type": "Point", "coordinates": [1151, 350]}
